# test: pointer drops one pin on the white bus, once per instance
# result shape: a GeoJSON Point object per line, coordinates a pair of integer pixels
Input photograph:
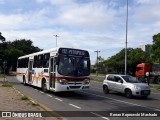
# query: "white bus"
{"type": "Point", "coordinates": [57, 69]}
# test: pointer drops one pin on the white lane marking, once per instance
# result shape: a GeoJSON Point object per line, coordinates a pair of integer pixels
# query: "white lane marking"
{"type": "Point", "coordinates": [100, 116]}
{"type": "Point", "coordinates": [75, 106]}
{"type": "Point", "coordinates": [49, 95]}
{"type": "Point", "coordinates": [58, 99]}
{"type": "Point", "coordinates": [41, 92]}
{"type": "Point", "coordinates": [121, 101]}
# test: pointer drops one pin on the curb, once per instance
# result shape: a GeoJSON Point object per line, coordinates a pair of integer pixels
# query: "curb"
{"type": "Point", "coordinates": [32, 100]}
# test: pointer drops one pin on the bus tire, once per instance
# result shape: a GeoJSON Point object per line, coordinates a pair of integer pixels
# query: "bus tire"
{"type": "Point", "coordinates": [24, 80]}
{"type": "Point", "coordinates": [44, 86]}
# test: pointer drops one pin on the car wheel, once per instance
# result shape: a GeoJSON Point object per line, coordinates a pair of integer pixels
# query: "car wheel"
{"type": "Point", "coordinates": [105, 89]}
{"type": "Point", "coordinates": [128, 93]}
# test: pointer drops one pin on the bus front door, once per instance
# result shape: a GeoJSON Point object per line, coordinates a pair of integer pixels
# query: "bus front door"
{"type": "Point", "coordinates": [52, 72]}
{"type": "Point", "coordinates": [30, 72]}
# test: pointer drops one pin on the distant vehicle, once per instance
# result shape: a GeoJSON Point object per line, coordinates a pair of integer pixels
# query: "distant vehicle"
{"type": "Point", "coordinates": [125, 84]}
{"type": "Point", "coordinates": [57, 69]}
{"type": "Point", "coordinates": [152, 69]}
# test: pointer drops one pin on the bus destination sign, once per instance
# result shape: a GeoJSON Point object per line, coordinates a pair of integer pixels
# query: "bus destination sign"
{"type": "Point", "coordinates": [68, 51]}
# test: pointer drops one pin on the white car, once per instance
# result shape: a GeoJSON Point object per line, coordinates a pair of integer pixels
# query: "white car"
{"type": "Point", "coordinates": [126, 84]}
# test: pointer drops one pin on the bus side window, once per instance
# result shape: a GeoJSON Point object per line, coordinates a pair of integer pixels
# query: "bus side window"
{"type": "Point", "coordinates": [40, 61]}
{"type": "Point", "coordinates": [22, 64]}
{"type": "Point", "coordinates": [19, 63]}
{"type": "Point", "coordinates": [46, 60]}
{"type": "Point", "coordinates": [35, 62]}
{"type": "Point", "coordinates": [26, 62]}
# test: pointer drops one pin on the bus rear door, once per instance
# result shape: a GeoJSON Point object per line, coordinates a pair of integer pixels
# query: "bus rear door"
{"type": "Point", "coordinates": [30, 71]}
{"type": "Point", "coordinates": [52, 73]}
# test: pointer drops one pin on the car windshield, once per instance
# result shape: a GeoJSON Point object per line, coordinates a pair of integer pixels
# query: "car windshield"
{"type": "Point", "coordinates": [73, 66]}
{"type": "Point", "coordinates": [130, 79]}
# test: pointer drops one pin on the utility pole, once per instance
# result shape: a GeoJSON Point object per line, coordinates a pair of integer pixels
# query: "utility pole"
{"type": "Point", "coordinates": [126, 39]}
{"type": "Point", "coordinates": [97, 62]}
{"type": "Point", "coordinates": [56, 39]}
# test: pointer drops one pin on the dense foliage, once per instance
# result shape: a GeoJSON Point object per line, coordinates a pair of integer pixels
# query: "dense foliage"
{"type": "Point", "coordinates": [10, 51]}
{"type": "Point", "coordinates": [155, 49]}
{"type": "Point", "coordinates": [117, 62]}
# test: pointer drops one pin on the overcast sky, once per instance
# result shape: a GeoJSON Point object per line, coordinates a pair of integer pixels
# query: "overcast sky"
{"type": "Point", "coordinates": [85, 24]}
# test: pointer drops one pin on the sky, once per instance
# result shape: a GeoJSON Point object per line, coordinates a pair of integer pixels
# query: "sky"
{"type": "Point", "coordinates": [84, 24]}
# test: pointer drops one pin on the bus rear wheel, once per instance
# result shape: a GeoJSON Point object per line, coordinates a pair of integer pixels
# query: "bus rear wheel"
{"type": "Point", "coordinates": [24, 80]}
{"type": "Point", "coordinates": [44, 86]}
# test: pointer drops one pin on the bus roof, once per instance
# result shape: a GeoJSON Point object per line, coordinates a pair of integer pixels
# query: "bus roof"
{"type": "Point", "coordinates": [46, 51]}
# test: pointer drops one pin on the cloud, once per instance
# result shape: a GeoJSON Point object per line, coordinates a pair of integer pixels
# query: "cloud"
{"type": "Point", "coordinates": [91, 15]}
{"type": "Point", "coordinates": [55, 2]}
{"type": "Point", "coordinates": [86, 24]}
{"type": "Point", "coordinates": [147, 1]}
{"type": "Point", "coordinates": [10, 21]}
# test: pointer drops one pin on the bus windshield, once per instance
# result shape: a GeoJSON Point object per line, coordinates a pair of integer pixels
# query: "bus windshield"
{"type": "Point", "coordinates": [73, 66]}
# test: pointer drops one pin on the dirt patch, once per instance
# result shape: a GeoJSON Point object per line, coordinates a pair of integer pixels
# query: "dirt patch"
{"type": "Point", "coordinates": [11, 100]}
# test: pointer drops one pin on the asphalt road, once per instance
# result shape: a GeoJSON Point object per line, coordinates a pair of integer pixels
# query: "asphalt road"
{"type": "Point", "coordinates": [92, 104]}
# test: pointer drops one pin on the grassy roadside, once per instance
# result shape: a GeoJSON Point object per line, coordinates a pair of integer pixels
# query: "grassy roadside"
{"type": "Point", "coordinates": [1, 75]}
{"type": "Point", "coordinates": [97, 80]}
{"type": "Point", "coordinates": [155, 87]}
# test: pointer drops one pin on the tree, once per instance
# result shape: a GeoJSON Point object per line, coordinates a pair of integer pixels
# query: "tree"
{"type": "Point", "coordinates": [25, 45]}
{"type": "Point", "coordinates": [10, 51]}
{"type": "Point", "coordinates": [2, 38]}
{"type": "Point", "coordinates": [155, 48]}
{"type": "Point", "coordinates": [116, 63]}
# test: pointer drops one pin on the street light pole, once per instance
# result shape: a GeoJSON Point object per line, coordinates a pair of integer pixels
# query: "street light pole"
{"type": "Point", "coordinates": [97, 63]}
{"type": "Point", "coordinates": [126, 39]}
{"type": "Point", "coordinates": [56, 39]}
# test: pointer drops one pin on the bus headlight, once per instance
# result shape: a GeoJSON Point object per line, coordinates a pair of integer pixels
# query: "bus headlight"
{"type": "Point", "coordinates": [62, 81]}
{"type": "Point", "coordinates": [86, 81]}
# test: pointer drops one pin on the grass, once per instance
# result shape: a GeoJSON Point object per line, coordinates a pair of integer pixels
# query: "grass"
{"type": "Point", "coordinates": [97, 80]}
{"type": "Point", "coordinates": [1, 75]}
{"type": "Point", "coordinates": [155, 86]}
{"type": "Point", "coordinates": [7, 85]}
{"type": "Point", "coordinates": [24, 98]}
{"type": "Point", "coordinates": [99, 74]}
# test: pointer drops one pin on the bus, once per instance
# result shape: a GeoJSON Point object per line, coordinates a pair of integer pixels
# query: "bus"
{"type": "Point", "coordinates": [57, 69]}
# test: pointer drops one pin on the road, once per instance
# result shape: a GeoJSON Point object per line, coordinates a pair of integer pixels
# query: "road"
{"type": "Point", "coordinates": [92, 103]}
